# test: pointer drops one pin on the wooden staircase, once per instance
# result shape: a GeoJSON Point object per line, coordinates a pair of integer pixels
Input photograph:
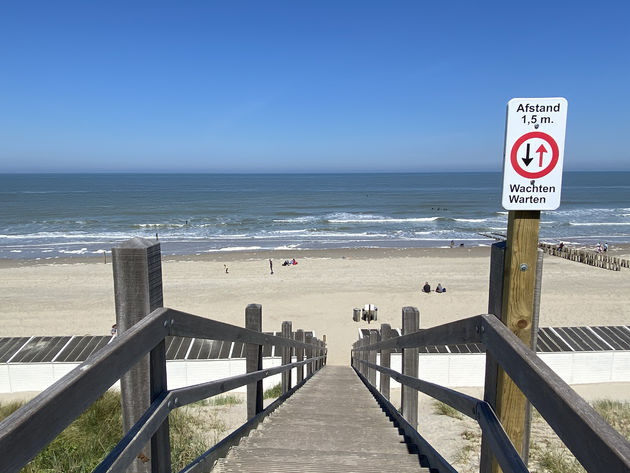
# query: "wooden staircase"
{"type": "Point", "coordinates": [331, 424]}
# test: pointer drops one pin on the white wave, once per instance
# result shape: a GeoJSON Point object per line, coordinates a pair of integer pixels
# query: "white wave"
{"type": "Point", "coordinates": [377, 219]}
{"type": "Point", "coordinates": [162, 225]}
{"type": "Point", "coordinates": [236, 248]}
{"type": "Point", "coordinates": [16, 251]}
{"type": "Point", "coordinates": [598, 224]}
{"type": "Point", "coordinates": [82, 251]}
{"type": "Point", "coordinates": [296, 219]}
{"type": "Point", "coordinates": [472, 220]}
{"type": "Point", "coordinates": [282, 232]}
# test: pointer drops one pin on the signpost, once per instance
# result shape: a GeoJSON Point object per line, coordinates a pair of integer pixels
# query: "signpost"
{"type": "Point", "coordinates": [534, 151]}
{"type": "Point", "coordinates": [532, 181]}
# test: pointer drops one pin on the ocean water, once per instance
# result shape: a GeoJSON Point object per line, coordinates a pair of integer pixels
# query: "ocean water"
{"type": "Point", "coordinates": [61, 215]}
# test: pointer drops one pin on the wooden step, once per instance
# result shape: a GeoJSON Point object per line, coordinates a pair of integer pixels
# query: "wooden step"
{"type": "Point", "coordinates": [331, 424]}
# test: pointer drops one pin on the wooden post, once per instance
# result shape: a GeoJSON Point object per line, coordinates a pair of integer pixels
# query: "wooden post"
{"type": "Point", "coordinates": [533, 344]}
{"type": "Point", "coordinates": [299, 354]}
{"type": "Point", "coordinates": [308, 338]}
{"type": "Point", "coordinates": [137, 267]}
{"type": "Point", "coordinates": [517, 314]}
{"type": "Point", "coordinates": [409, 396]}
{"type": "Point", "coordinates": [385, 361]}
{"type": "Point", "coordinates": [286, 357]}
{"type": "Point", "coordinates": [372, 358]}
{"type": "Point", "coordinates": [364, 356]}
{"type": "Point", "coordinates": [495, 301]}
{"type": "Point", "coordinates": [253, 361]}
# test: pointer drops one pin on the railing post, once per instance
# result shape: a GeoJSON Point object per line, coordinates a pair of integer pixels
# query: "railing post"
{"type": "Point", "coordinates": [286, 357]}
{"type": "Point", "coordinates": [495, 300]}
{"type": "Point", "coordinates": [253, 361]}
{"type": "Point", "coordinates": [137, 267]}
{"type": "Point", "coordinates": [385, 361]}
{"type": "Point", "coordinates": [299, 354]}
{"type": "Point", "coordinates": [409, 396]}
{"type": "Point", "coordinates": [308, 337]}
{"type": "Point", "coordinates": [372, 358]}
{"type": "Point", "coordinates": [361, 356]}
{"type": "Point", "coordinates": [318, 352]}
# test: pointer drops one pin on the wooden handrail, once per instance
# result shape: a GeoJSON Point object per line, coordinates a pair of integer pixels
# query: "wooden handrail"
{"type": "Point", "coordinates": [131, 444]}
{"type": "Point", "coordinates": [594, 443]}
{"type": "Point", "coordinates": [59, 405]}
{"type": "Point", "coordinates": [453, 333]}
{"type": "Point", "coordinates": [476, 409]}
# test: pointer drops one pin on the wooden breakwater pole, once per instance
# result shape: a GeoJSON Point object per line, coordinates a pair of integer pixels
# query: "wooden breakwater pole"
{"type": "Point", "coordinates": [592, 258]}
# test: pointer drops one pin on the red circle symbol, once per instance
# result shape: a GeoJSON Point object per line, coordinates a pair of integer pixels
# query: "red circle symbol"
{"type": "Point", "coordinates": [555, 153]}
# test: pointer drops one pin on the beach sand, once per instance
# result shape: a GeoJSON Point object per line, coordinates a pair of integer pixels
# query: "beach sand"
{"type": "Point", "coordinates": [76, 296]}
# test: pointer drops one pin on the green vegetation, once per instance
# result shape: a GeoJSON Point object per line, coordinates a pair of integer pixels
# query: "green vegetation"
{"type": "Point", "coordinates": [554, 457]}
{"type": "Point", "coordinates": [558, 460]}
{"type": "Point", "coordinates": [616, 413]}
{"type": "Point", "coordinates": [273, 392]}
{"type": "Point", "coordinates": [442, 409]}
{"type": "Point", "coordinates": [86, 442]}
{"type": "Point", "coordinates": [227, 400]}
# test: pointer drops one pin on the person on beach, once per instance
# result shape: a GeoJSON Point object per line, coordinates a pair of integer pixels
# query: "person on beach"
{"type": "Point", "coordinates": [439, 289]}
{"type": "Point", "coordinates": [427, 287]}
{"type": "Point", "coordinates": [226, 269]}
{"type": "Point", "coordinates": [271, 265]}
{"type": "Point", "coordinates": [605, 247]}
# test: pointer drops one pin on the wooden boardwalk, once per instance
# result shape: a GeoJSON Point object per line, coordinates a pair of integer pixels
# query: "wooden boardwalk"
{"type": "Point", "coordinates": [331, 424]}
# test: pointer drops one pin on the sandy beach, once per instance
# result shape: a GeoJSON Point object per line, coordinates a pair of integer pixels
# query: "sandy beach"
{"type": "Point", "coordinates": [76, 297]}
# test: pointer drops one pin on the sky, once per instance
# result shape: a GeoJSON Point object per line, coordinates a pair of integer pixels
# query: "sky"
{"type": "Point", "coordinates": [304, 86]}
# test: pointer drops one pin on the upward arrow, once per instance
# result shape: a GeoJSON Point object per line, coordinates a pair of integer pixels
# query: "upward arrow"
{"type": "Point", "coordinates": [542, 150]}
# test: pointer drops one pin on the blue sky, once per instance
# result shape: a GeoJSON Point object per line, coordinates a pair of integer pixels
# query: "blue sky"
{"type": "Point", "coordinates": [321, 86]}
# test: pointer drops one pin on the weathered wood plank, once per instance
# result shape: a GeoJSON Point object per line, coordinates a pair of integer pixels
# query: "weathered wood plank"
{"type": "Point", "coordinates": [386, 356]}
{"type": "Point", "coordinates": [55, 408]}
{"type": "Point", "coordinates": [408, 395]}
{"type": "Point", "coordinates": [286, 357]}
{"type": "Point", "coordinates": [453, 333]}
{"type": "Point", "coordinates": [517, 313]}
{"type": "Point", "coordinates": [596, 445]}
{"type": "Point", "coordinates": [253, 360]}
{"type": "Point", "coordinates": [193, 326]}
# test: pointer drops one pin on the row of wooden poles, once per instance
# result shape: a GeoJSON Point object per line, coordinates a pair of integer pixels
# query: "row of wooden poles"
{"type": "Point", "coordinates": [592, 258]}
{"type": "Point", "coordinates": [410, 363]}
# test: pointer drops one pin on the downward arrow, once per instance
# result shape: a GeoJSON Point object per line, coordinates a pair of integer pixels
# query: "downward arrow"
{"type": "Point", "coordinates": [527, 159]}
{"type": "Point", "coordinates": [542, 150]}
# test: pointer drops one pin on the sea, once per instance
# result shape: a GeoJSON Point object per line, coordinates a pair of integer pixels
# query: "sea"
{"type": "Point", "coordinates": [48, 216]}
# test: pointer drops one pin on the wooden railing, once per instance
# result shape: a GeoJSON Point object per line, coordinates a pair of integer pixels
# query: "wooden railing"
{"type": "Point", "coordinates": [592, 258]}
{"type": "Point", "coordinates": [597, 446]}
{"type": "Point", "coordinates": [31, 428]}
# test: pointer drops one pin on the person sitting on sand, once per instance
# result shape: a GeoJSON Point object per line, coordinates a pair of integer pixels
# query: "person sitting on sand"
{"type": "Point", "coordinates": [439, 288]}
{"type": "Point", "coordinates": [426, 288]}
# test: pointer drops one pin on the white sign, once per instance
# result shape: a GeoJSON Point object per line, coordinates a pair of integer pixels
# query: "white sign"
{"type": "Point", "coordinates": [534, 152]}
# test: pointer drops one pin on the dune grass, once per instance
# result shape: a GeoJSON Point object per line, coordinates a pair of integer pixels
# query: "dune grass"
{"type": "Point", "coordinates": [86, 442]}
{"type": "Point", "coordinates": [273, 392]}
{"type": "Point", "coordinates": [443, 409]}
